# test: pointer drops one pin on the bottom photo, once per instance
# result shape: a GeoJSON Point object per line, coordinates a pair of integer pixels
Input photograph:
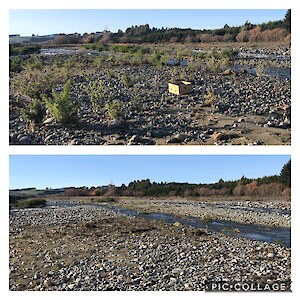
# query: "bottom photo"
{"type": "Point", "coordinates": [212, 223]}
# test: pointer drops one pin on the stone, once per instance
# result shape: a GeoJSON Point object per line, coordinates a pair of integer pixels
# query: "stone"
{"type": "Point", "coordinates": [173, 141]}
{"type": "Point", "coordinates": [71, 286]}
{"type": "Point", "coordinates": [25, 139]}
{"type": "Point", "coordinates": [47, 282]}
{"type": "Point", "coordinates": [48, 120]}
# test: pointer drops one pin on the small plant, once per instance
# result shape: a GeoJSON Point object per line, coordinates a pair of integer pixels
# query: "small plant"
{"type": "Point", "coordinates": [211, 100]}
{"type": "Point", "coordinates": [207, 219]}
{"type": "Point", "coordinates": [30, 203]}
{"type": "Point", "coordinates": [216, 65]}
{"type": "Point", "coordinates": [96, 91]}
{"type": "Point", "coordinates": [62, 107]}
{"type": "Point", "coordinates": [102, 200]}
{"type": "Point", "coordinates": [36, 112]}
{"type": "Point", "coordinates": [260, 70]}
{"type": "Point", "coordinates": [114, 109]}
{"type": "Point", "coordinates": [16, 64]}
{"type": "Point", "coordinates": [155, 58]}
{"type": "Point", "coordinates": [127, 81]}
{"type": "Point", "coordinates": [230, 54]}
{"type": "Point", "coordinates": [34, 62]}
{"type": "Point", "coordinates": [111, 74]}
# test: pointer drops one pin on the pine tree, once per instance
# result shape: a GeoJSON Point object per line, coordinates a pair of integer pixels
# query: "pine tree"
{"type": "Point", "coordinates": [285, 174]}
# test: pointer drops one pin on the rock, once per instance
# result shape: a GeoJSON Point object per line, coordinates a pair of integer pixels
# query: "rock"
{"type": "Point", "coordinates": [177, 224]}
{"type": "Point", "coordinates": [177, 271]}
{"type": "Point", "coordinates": [25, 139]}
{"type": "Point", "coordinates": [228, 72]}
{"type": "Point", "coordinates": [71, 286]}
{"type": "Point", "coordinates": [49, 137]}
{"type": "Point", "coordinates": [180, 136]}
{"type": "Point", "coordinates": [187, 286]}
{"type": "Point", "coordinates": [48, 121]}
{"type": "Point", "coordinates": [115, 123]}
{"type": "Point", "coordinates": [133, 140]}
{"type": "Point", "coordinates": [47, 282]}
{"type": "Point", "coordinates": [173, 141]}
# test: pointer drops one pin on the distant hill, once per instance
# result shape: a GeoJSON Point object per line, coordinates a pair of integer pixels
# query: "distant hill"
{"type": "Point", "coordinates": [17, 39]}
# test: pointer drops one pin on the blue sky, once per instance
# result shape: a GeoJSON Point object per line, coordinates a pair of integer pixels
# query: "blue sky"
{"type": "Point", "coordinates": [47, 21]}
{"type": "Point", "coordinates": [55, 171]}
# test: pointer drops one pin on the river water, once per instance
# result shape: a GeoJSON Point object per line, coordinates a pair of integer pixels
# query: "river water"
{"type": "Point", "coordinates": [279, 72]}
{"type": "Point", "coordinates": [269, 234]}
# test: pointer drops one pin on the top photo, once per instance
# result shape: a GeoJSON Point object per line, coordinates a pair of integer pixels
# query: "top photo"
{"type": "Point", "coordinates": [150, 77]}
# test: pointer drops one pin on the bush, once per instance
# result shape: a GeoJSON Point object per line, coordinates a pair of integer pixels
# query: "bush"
{"type": "Point", "coordinates": [97, 91]}
{"type": "Point", "coordinates": [16, 64]}
{"type": "Point", "coordinates": [229, 53]}
{"type": "Point", "coordinates": [30, 203]}
{"type": "Point", "coordinates": [76, 192]}
{"type": "Point", "coordinates": [285, 174]}
{"type": "Point", "coordinates": [216, 65]}
{"type": "Point", "coordinates": [114, 109]}
{"type": "Point", "coordinates": [34, 62]}
{"type": "Point", "coordinates": [36, 112]}
{"type": "Point", "coordinates": [24, 50]}
{"type": "Point", "coordinates": [211, 100]}
{"type": "Point", "coordinates": [104, 200]}
{"type": "Point", "coordinates": [37, 83]}
{"type": "Point", "coordinates": [156, 58]}
{"type": "Point", "coordinates": [127, 81]}
{"type": "Point", "coordinates": [207, 219]}
{"type": "Point", "coordinates": [62, 107]}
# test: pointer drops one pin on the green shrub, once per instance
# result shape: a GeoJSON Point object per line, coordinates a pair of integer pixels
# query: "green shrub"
{"type": "Point", "coordinates": [30, 203]}
{"type": "Point", "coordinates": [62, 107]}
{"type": "Point", "coordinates": [114, 109]}
{"type": "Point", "coordinates": [16, 64]}
{"type": "Point", "coordinates": [156, 58]}
{"type": "Point", "coordinates": [229, 53]}
{"type": "Point", "coordinates": [211, 100]}
{"type": "Point", "coordinates": [24, 50]}
{"type": "Point", "coordinates": [285, 174]}
{"type": "Point", "coordinates": [34, 62]}
{"type": "Point", "coordinates": [36, 112]}
{"type": "Point", "coordinates": [207, 219]}
{"type": "Point", "coordinates": [105, 200]}
{"type": "Point", "coordinates": [127, 81]}
{"type": "Point", "coordinates": [216, 65]}
{"type": "Point", "coordinates": [37, 83]}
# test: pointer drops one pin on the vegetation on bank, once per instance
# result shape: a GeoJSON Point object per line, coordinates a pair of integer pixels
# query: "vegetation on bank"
{"type": "Point", "coordinates": [266, 32]}
{"type": "Point", "coordinates": [30, 203]}
{"type": "Point", "coordinates": [277, 185]}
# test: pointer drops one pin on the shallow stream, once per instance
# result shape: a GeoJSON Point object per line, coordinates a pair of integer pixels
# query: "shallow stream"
{"type": "Point", "coordinates": [269, 234]}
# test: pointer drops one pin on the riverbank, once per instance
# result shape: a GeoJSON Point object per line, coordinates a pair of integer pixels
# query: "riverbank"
{"type": "Point", "coordinates": [88, 248]}
{"type": "Point", "coordinates": [260, 212]}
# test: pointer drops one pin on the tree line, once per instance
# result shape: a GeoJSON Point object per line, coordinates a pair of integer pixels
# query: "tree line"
{"type": "Point", "coordinates": [276, 185]}
{"type": "Point", "coordinates": [248, 32]}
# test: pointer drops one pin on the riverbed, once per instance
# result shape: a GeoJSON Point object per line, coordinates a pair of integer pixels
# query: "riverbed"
{"type": "Point", "coordinates": [87, 247]}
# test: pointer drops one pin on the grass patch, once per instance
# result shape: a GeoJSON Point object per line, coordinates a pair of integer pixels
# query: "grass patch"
{"type": "Point", "coordinates": [30, 203]}
{"type": "Point", "coordinates": [104, 200]}
{"type": "Point", "coordinates": [143, 212]}
{"type": "Point", "coordinates": [207, 219]}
